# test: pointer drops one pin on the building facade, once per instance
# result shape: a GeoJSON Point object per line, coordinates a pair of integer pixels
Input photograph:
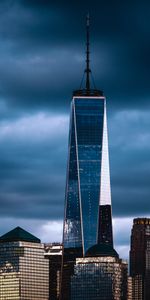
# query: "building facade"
{"type": "Point", "coordinates": [88, 199]}
{"type": "Point", "coordinates": [24, 272]}
{"type": "Point", "coordinates": [88, 214]}
{"type": "Point", "coordinates": [140, 259]}
{"type": "Point", "coordinates": [88, 218]}
{"type": "Point", "coordinates": [129, 288]}
{"type": "Point", "coordinates": [99, 277]}
{"type": "Point", "coordinates": [53, 252]}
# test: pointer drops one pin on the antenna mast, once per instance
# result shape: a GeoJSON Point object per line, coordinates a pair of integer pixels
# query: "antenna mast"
{"type": "Point", "coordinates": [87, 91]}
{"type": "Point", "coordinates": [87, 70]}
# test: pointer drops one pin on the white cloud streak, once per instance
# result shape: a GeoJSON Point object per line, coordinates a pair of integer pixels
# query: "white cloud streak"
{"type": "Point", "coordinates": [37, 127]}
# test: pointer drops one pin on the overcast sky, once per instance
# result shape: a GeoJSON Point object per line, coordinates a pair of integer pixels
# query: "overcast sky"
{"type": "Point", "coordinates": [42, 60]}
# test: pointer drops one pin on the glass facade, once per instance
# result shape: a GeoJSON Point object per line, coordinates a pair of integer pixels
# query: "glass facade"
{"type": "Point", "coordinates": [99, 278]}
{"type": "Point", "coordinates": [89, 115]}
{"type": "Point", "coordinates": [105, 225]}
{"type": "Point", "coordinates": [140, 259]}
{"type": "Point", "coordinates": [24, 272]}
{"type": "Point", "coordinates": [88, 182]}
{"type": "Point", "coordinates": [88, 218]}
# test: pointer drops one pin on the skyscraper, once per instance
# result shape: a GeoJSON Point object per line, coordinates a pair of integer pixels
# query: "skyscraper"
{"type": "Point", "coordinates": [140, 259]}
{"type": "Point", "coordinates": [88, 196]}
{"type": "Point", "coordinates": [24, 272]}
{"type": "Point", "coordinates": [87, 218]}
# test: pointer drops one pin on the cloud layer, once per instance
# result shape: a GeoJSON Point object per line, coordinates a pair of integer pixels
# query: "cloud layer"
{"type": "Point", "coordinates": [42, 59]}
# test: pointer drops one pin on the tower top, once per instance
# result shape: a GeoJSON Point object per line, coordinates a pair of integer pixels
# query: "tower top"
{"type": "Point", "coordinates": [141, 221]}
{"type": "Point", "coordinates": [87, 70]}
{"type": "Point", "coordinates": [87, 91]}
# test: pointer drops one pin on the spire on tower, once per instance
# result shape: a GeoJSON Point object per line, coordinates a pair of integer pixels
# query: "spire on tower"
{"type": "Point", "coordinates": [87, 70]}
{"type": "Point", "coordinates": [87, 90]}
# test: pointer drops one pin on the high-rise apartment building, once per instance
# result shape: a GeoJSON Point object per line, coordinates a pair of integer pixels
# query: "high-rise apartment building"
{"type": "Point", "coordinates": [88, 219]}
{"type": "Point", "coordinates": [24, 272]}
{"type": "Point", "coordinates": [140, 259]}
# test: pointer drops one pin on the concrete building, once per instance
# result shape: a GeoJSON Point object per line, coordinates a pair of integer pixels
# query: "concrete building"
{"type": "Point", "coordinates": [24, 271]}
{"type": "Point", "coordinates": [53, 252]}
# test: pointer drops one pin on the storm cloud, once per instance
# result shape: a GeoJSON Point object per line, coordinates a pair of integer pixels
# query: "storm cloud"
{"type": "Point", "coordinates": [42, 60]}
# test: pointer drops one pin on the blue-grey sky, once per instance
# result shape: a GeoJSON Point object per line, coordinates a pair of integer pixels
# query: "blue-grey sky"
{"type": "Point", "coordinates": [42, 60]}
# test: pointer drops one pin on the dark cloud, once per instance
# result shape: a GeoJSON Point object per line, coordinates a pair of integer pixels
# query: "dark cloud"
{"type": "Point", "coordinates": [32, 167]}
{"type": "Point", "coordinates": [41, 41]}
{"type": "Point", "coordinates": [130, 162]}
{"type": "Point", "coordinates": [42, 59]}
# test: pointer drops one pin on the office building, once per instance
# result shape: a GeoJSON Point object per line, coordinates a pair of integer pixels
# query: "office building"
{"type": "Point", "coordinates": [24, 272]}
{"type": "Point", "coordinates": [88, 196]}
{"type": "Point", "coordinates": [140, 259]}
{"type": "Point", "coordinates": [88, 216]}
{"type": "Point", "coordinates": [100, 275]}
{"type": "Point", "coordinates": [53, 252]}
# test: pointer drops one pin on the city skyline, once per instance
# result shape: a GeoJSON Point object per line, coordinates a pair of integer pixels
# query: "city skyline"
{"type": "Point", "coordinates": [34, 106]}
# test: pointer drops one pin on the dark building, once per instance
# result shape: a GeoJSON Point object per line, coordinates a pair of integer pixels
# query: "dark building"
{"type": "Point", "coordinates": [100, 275]}
{"type": "Point", "coordinates": [88, 214]}
{"type": "Point", "coordinates": [24, 272]}
{"type": "Point", "coordinates": [53, 252]}
{"type": "Point", "coordinates": [140, 259]}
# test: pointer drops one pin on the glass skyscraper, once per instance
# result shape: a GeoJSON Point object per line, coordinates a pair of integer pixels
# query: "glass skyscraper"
{"type": "Point", "coordinates": [87, 218]}
{"type": "Point", "coordinates": [88, 197]}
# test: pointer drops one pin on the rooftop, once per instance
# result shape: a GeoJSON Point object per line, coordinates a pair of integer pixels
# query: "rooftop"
{"type": "Point", "coordinates": [102, 250]}
{"type": "Point", "coordinates": [19, 234]}
{"type": "Point", "coordinates": [85, 92]}
{"type": "Point", "coordinates": [141, 221]}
